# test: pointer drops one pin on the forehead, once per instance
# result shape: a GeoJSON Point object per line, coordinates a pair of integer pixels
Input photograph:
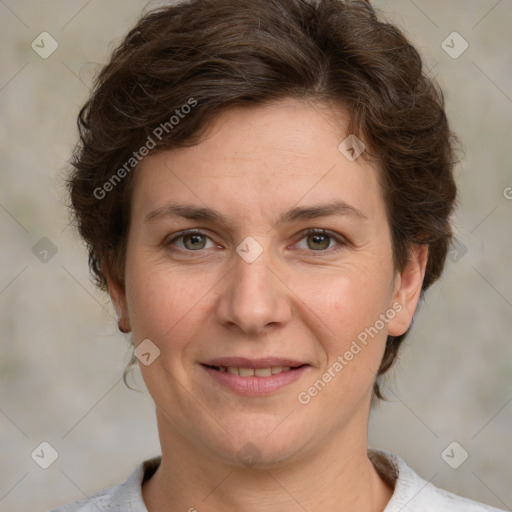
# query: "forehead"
{"type": "Point", "coordinates": [259, 158]}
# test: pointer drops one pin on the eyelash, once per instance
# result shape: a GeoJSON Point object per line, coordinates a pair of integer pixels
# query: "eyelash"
{"type": "Point", "coordinates": [313, 231]}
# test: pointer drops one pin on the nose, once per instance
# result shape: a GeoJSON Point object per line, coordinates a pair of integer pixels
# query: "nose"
{"type": "Point", "coordinates": [254, 297]}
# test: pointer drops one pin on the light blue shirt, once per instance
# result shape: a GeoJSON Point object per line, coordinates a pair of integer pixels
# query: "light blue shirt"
{"type": "Point", "coordinates": [411, 492]}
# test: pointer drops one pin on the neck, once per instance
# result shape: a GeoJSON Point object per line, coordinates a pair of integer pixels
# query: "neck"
{"type": "Point", "coordinates": [335, 476]}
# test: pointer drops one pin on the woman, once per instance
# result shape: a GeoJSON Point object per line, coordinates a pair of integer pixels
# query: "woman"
{"type": "Point", "coordinates": [265, 190]}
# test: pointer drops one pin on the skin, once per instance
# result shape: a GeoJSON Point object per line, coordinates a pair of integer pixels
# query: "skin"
{"type": "Point", "coordinates": [304, 298]}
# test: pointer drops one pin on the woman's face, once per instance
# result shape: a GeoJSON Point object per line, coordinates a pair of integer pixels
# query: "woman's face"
{"type": "Point", "coordinates": [253, 284]}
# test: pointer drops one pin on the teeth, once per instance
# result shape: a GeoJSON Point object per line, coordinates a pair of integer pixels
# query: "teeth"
{"type": "Point", "coordinates": [251, 372]}
{"type": "Point", "coordinates": [263, 372]}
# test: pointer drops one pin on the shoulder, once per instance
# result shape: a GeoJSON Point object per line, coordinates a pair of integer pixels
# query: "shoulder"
{"type": "Point", "coordinates": [414, 494]}
{"type": "Point", "coordinates": [124, 497]}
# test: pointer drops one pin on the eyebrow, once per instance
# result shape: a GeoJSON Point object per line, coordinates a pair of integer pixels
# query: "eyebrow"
{"type": "Point", "coordinates": [192, 212]}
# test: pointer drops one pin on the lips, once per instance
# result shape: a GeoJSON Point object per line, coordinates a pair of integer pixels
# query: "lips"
{"type": "Point", "coordinates": [255, 377]}
{"type": "Point", "coordinates": [253, 367]}
{"type": "Point", "coordinates": [243, 362]}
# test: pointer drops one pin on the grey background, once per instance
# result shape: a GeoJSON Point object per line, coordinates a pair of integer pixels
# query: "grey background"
{"type": "Point", "coordinates": [61, 356]}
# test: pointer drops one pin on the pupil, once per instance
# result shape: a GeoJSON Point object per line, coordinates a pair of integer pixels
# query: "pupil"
{"type": "Point", "coordinates": [320, 236]}
{"type": "Point", "coordinates": [194, 238]}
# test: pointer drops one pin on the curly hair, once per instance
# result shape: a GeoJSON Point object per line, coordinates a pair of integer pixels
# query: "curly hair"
{"type": "Point", "coordinates": [201, 57]}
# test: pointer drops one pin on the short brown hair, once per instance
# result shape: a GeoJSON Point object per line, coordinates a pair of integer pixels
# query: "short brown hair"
{"type": "Point", "coordinates": [213, 55]}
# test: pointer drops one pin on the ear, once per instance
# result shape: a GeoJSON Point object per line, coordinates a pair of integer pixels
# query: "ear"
{"type": "Point", "coordinates": [407, 290]}
{"type": "Point", "coordinates": [116, 290]}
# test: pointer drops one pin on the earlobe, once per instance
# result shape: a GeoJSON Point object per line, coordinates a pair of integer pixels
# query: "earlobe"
{"type": "Point", "coordinates": [116, 290]}
{"type": "Point", "coordinates": [407, 292]}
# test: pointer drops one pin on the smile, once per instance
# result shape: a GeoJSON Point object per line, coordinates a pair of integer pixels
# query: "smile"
{"type": "Point", "coordinates": [254, 381]}
{"type": "Point", "coordinates": [251, 372]}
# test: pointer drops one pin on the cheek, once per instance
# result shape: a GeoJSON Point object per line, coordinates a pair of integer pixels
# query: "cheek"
{"type": "Point", "coordinates": [348, 312]}
{"type": "Point", "coordinates": [347, 299]}
{"type": "Point", "coordinates": [161, 301]}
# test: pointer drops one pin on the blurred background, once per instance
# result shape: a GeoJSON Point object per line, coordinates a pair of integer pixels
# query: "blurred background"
{"type": "Point", "coordinates": [449, 413]}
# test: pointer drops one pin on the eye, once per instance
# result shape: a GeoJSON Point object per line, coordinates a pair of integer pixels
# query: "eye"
{"type": "Point", "coordinates": [192, 240]}
{"type": "Point", "coordinates": [318, 240]}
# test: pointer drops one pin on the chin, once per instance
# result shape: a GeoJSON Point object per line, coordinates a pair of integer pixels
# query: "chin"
{"type": "Point", "coordinates": [259, 447]}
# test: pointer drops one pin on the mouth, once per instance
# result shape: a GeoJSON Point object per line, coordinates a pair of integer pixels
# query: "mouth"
{"type": "Point", "coordinates": [254, 377]}
{"type": "Point", "coordinates": [254, 372]}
